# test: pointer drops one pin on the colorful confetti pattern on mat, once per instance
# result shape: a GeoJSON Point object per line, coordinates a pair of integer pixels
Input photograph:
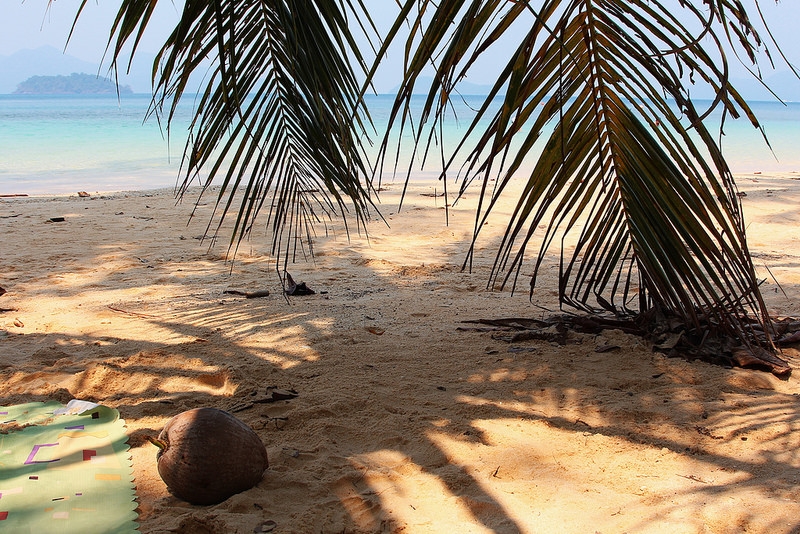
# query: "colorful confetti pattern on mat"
{"type": "Point", "coordinates": [65, 473]}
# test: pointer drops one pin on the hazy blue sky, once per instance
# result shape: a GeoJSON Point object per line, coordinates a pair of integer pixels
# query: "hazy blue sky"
{"type": "Point", "coordinates": [28, 25]}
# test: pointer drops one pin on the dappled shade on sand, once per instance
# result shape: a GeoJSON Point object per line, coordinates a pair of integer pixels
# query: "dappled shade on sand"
{"type": "Point", "coordinates": [397, 419]}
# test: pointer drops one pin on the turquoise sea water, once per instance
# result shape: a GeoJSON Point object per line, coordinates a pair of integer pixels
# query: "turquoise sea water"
{"type": "Point", "coordinates": [65, 144]}
{"type": "Point", "coordinates": [60, 144]}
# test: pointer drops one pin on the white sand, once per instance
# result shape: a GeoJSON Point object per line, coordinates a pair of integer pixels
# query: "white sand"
{"type": "Point", "coordinates": [403, 423]}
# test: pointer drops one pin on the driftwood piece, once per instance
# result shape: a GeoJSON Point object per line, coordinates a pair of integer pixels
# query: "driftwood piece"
{"type": "Point", "coordinates": [516, 323]}
{"type": "Point", "coordinates": [248, 294]}
{"type": "Point", "coordinates": [553, 334]}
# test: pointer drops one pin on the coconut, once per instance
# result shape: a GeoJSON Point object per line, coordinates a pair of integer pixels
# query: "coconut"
{"type": "Point", "coordinates": [207, 455]}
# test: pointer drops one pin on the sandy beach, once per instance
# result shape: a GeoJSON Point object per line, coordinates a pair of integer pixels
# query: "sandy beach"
{"type": "Point", "coordinates": [407, 419]}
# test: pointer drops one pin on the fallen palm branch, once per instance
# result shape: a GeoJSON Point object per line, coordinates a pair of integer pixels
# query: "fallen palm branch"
{"type": "Point", "coordinates": [667, 335]}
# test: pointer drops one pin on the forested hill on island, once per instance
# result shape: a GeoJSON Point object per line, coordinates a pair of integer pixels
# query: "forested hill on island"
{"type": "Point", "coordinates": [74, 84]}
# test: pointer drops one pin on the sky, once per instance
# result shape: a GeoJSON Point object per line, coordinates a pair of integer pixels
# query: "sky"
{"type": "Point", "coordinates": [27, 24]}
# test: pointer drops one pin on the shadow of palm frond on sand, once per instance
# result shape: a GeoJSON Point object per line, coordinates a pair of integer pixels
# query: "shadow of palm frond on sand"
{"type": "Point", "coordinates": [403, 421]}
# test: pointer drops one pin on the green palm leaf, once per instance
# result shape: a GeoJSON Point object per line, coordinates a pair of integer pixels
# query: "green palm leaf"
{"type": "Point", "coordinates": [279, 120]}
{"type": "Point", "coordinates": [630, 181]}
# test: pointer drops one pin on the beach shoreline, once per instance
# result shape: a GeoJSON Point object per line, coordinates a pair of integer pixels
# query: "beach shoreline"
{"type": "Point", "coordinates": [102, 144]}
{"type": "Point", "coordinates": [407, 419]}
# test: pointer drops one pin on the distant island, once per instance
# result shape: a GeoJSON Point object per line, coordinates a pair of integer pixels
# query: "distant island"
{"type": "Point", "coordinates": [74, 84]}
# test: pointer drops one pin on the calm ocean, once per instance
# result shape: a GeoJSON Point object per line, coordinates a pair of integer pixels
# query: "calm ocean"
{"type": "Point", "coordinates": [65, 144]}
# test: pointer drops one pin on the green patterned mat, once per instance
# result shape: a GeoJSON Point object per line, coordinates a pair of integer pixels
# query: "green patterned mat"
{"type": "Point", "coordinates": [64, 472]}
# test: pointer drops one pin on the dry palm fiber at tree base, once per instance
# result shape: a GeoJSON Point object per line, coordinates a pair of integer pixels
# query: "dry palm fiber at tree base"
{"type": "Point", "coordinates": [669, 336]}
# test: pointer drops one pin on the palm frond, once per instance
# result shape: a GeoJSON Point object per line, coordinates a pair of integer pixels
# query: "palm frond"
{"type": "Point", "coordinates": [630, 181]}
{"type": "Point", "coordinates": [279, 120]}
